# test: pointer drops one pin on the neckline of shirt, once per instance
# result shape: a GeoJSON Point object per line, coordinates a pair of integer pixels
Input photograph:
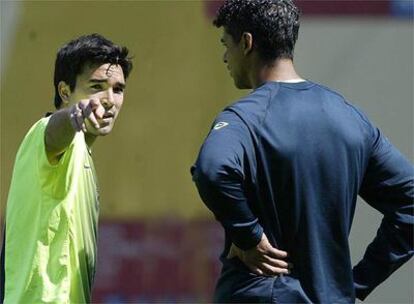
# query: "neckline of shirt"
{"type": "Point", "coordinates": [301, 85]}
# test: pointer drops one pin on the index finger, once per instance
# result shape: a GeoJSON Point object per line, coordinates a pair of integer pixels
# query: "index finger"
{"type": "Point", "coordinates": [97, 107]}
{"type": "Point", "coordinates": [88, 113]}
{"type": "Point", "coordinates": [276, 253]}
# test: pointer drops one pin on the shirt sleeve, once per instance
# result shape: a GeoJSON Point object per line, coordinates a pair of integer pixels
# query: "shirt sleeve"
{"type": "Point", "coordinates": [54, 179]}
{"type": "Point", "coordinates": [219, 174]}
{"type": "Point", "coordinates": [388, 186]}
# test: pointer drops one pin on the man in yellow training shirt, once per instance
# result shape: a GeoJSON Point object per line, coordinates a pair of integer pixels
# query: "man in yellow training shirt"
{"type": "Point", "coordinates": [49, 250]}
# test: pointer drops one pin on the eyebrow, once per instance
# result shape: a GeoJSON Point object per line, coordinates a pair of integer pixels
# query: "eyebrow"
{"type": "Point", "coordinates": [98, 80]}
{"type": "Point", "coordinates": [119, 84]}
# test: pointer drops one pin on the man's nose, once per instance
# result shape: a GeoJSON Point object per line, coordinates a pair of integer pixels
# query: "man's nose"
{"type": "Point", "coordinates": [107, 99]}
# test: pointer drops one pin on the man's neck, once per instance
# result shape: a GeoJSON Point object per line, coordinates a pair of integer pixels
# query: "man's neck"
{"type": "Point", "coordinates": [281, 70]}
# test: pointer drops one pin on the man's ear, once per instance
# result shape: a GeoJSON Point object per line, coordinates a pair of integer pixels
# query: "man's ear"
{"type": "Point", "coordinates": [64, 92]}
{"type": "Point", "coordinates": [247, 42]}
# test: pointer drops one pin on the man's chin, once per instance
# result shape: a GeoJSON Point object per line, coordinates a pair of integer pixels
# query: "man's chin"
{"type": "Point", "coordinates": [105, 130]}
{"type": "Point", "coordinates": [101, 131]}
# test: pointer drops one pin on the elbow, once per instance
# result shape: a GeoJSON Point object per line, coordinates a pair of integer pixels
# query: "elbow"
{"type": "Point", "coordinates": [208, 181]}
{"type": "Point", "coordinates": [207, 172]}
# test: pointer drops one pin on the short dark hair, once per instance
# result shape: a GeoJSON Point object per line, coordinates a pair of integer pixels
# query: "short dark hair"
{"type": "Point", "coordinates": [274, 25]}
{"type": "Point", "coordinates": [86, 51]}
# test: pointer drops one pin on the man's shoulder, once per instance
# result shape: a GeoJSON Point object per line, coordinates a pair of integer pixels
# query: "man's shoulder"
{"type": "Point", "coordinates": [39, 125]}
{"type": "Point", "coordinates": [35, 133]}
{"type": "Point", "coordinates": [37, 130]}
{"type": "Point", "coordinates": [337, 97]}
{"type": "Point", "coordinates": [328, 90]}
{"type": "Point", "coordinates": [255, 98]}
{"type": "Point", "coordinates": [34, 140]}
{"type": "Point", "coordinates": [251, 108]}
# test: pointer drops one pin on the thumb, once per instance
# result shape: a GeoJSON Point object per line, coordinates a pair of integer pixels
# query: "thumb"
{"type": "Point", "coordinates": [232, 252]}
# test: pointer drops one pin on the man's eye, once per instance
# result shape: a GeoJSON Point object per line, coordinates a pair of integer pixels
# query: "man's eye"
{"type": "Point", "coordinates": [118, 90]}
{"type": "Point", "coordinates": [96, 87]}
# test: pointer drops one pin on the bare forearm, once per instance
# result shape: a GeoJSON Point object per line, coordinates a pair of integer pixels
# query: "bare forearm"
{"type": "Point", "coordinates": [59, 133]}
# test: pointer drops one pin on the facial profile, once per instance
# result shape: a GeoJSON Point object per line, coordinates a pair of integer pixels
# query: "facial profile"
{"type": "Point", "coordinates": [235, 59]}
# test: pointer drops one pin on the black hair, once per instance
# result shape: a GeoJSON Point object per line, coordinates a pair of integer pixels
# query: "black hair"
{"type": "Point", "coordinates": [274, 25]}
{"type": "Point", "coordinates": [86, 51]}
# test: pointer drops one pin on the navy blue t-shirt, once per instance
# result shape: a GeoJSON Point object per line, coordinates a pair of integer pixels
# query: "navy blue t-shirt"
{"type": "Point", "coordinates": [289, 160]}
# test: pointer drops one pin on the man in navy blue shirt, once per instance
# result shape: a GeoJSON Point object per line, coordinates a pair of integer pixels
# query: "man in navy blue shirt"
{"type": "Point", "coordinates": [281, 170]}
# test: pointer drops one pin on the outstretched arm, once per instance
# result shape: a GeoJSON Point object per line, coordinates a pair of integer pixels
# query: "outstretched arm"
{"type": "Point", "coordinates": [64, 123]}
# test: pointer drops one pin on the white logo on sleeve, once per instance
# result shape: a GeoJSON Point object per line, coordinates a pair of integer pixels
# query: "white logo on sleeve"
{"type": "Point", "coordinates": [220, 125]}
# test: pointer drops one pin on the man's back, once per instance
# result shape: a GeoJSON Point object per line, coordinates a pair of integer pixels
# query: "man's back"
{"type": "Point", "coordinates": [304, 153]}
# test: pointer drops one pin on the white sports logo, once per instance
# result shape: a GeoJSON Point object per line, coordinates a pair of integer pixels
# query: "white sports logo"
{"type": "Point", "coordinates": [220, 125]}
